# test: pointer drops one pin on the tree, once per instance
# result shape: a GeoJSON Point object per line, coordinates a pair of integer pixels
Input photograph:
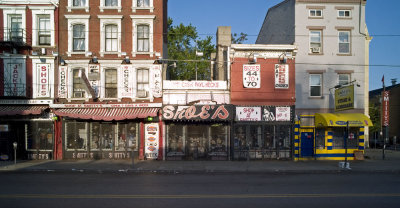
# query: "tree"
{"type": "Point", "coordinates": [239, 40]}
{"type": "Point", "coordinates": [183, 42]}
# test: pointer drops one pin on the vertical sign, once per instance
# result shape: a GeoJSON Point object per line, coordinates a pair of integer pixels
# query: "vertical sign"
{"type": "Point", "coordinates": [43, 89]}
{"type": "Point", "coordinates": [157, 81]}
{"type": "Point", "coordinates": [282, 113]}
{"type": "Point", "coordinates": [14, 79]}
{"type": "Point", "coordinates": [151, 140]}
{"type": "Point", "coordinates": [385, 108]}
{"type": "Point", "coordinates": [251, 76]}
{"type": "Point", "coordinates": [94, 78]}
{"type": "Point", "coordinates": [281, 76]}
{"type": "Point", "coordinates": [62, 79]}
{"type": "Point", "coordinates": [126, 77]}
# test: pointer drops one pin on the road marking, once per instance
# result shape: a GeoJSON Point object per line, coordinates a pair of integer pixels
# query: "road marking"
{"type": "Point", "coordinates": [194, 196]}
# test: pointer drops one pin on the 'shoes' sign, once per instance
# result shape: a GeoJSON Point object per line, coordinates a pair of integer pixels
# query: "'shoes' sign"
{"type": "Point", "coordinates": [198, 112]}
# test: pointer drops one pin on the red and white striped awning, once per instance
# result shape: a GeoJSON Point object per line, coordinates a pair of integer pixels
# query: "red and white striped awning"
{"type": "Point", "coordinates": [107, 114]}
{"type": "Point", "coordinates": [12, 110]}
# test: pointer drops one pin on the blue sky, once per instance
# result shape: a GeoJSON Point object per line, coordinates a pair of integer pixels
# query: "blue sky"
{"type": "Point", "coordinates": [382, 18]}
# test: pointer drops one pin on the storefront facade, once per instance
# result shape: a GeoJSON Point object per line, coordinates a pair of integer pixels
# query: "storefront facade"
{"type": "Point", "coordinates": [197, 132]}
{"type": "Point", "coordinates": [330, 136]}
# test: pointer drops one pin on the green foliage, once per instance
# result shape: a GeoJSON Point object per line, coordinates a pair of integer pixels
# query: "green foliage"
{"type": "Point", "coordinates": [375, 115]}
{"type": "Point", "coordinates": [239, 39]}
{"type": "Point", "coordinates": [183, 42]}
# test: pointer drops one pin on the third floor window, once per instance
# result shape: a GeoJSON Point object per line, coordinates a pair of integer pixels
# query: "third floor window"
{"type": "Point", "coordinates": [143, 38]}
{"type": "Point", "coordinates": [111, 38]}
{"type": "Point", "coordinates": [79, 37]}
{"type": "Point", "coordinates": [44, 32]}
{"type": "Point", "coordinates": [79, 3]}
{"type": "Point", "coordinates": [143, 3]}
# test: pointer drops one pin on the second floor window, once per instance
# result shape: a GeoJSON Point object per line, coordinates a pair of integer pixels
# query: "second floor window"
{"type": "Point", "coordinates": [78, 90]}
{"type": "Point", "coordinates": [79, 3]}
{"type": "Point", "coordinates": [111, 38]}
{"type": "Point", "coordinates": [315, 85]}
{"type": "Point", "coordinates": [315, 41]}
{"type": "Point", "coordinates": [344, 42]}
{"type": "Point", "coordinates": [44, 33]}
{"type": "Point", "coordinates": [111, 3]}
{"type": "Point", "coordinates": [78, 38]}
{"type": "Point", "coordinates": [143, 38]}
{"type": "Point", "coordinates": [344, 79]}
{"type": "Point", "coordinates": [143, 3]}
{"type": "Point", "coordinates": [15, 28]}
{"type": "Point", "coordinates": [142, 82]}
{"type": "Point", "coordinates": [111, 83]}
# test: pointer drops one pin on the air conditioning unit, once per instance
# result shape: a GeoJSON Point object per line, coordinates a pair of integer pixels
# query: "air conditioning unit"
{"type": "Point", "coordinates": [316, 49]}
{"type": "Point", "coordinates": [141, 93]}
{"type": "Point", "coordinates": [79, 94]}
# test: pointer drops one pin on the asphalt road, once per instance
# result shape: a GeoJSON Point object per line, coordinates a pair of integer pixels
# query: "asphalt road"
{"type": "Point", "coordinates": [194, 190]}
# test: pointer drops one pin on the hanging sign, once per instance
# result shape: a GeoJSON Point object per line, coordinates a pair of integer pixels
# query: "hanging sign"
{"type": "Point", "coordinates": [157, 81]}
{"type": "Point", "coordinates": [344, 98]}
{"type": "Point", "coordinates": [282, 76]}
{"type": "Point", "coordinates": [14, 79]}
{"type": "Point", "coordinates": [126, 84]}
{"type": "Point", "coordinates": [385, 108]}
{"type": "Point", "coordinates": [248, 113]}
{"type": "Point", "coordinates": [94, 78]}
{"type": "Point", "coordinates": [282, 113]}
{"type": "Point", "coordinates": [62, 79]}
{"type": "Point", "coordinates": [198, 112]}
{"type": "Point", "coordinates": [43, 89]}
{"type": "Point", "coordinates": [151, 140]}
{"type": "Point", "coordinates": [251, 76]}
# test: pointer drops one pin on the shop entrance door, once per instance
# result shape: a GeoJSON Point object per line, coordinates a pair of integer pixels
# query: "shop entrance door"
{"type": "Point", "coordinates": [307, 144]}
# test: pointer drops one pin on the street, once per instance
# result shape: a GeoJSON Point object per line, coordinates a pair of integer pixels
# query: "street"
{"type": "Point", "coordinates": [48, 189]}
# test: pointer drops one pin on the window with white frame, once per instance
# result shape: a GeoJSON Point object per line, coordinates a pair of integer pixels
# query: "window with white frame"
{"type": "Point", "coordinates": [315, 41]}
{"type": "Point", "coordinates": [344, 79]}
{"type": "Point", "coordinates": [78, 4]}
{"type": "Point", "coordinates": [143, 38]}
{"type": "Point", "coordinates": [315, 85]}
{"type": "Point", "coordinates": [44, 30]}
{"type": "Point", "coordinates": [14, 22]}
{"type": "Point", "coordinates": [111, 38]}
{"type": "Point", "coordinates": [111, 3]}
{"type": "Point", "coordinates": [344, 42]}
{"type": "Point", "coordinates": [77, 83]}
{"type": "Point", "coordinates": [79, 37]}
{"type": "Point", "coordinates": [142, 83]}
{"type": "Point", "coordinates": [344, 13]}
{"type": "Point", "coordinates": [315, 13]}
{"type": "Point", "coordinates": [15, 28]}
{"type": "Point", "coordinates": [142, 4]}
{"type": "Point", "coordinates": [111, 83]}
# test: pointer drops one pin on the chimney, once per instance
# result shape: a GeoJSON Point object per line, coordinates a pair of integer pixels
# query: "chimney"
{"type": "Point", "coordinates": [394, 81]}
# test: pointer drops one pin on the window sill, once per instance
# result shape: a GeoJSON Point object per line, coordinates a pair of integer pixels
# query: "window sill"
{"type": "Point", "coordinates": [315, 54]}
{"type": "Point", "coordinates": [69, 53]}
{"type": "Point", "coordinates": [110, 8]}
{"type": "Point", "coordinates": [78, 99]}
{"type": "Point", "coordinates": [151, 54]}
{"type": "Point", "coordinates": [315, 17]}
{"type": "Point", "coordinates": [344, 54]}
{"type": "Point", "coordinates": [316, 97]}
{"type": "Point", "coordinates": [110, 53]}
{"type": "Point", "coordinates": [345, 18]}
{"type": "Point", "coordinates": [110, 99]}
{"type": "Point", "coordinates": [143, 8]}
{"type": "Point", "coordinates": [75, 8]}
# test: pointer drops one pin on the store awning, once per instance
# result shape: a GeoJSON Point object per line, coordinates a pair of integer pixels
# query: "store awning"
{"type": "Point", "coordinates": [107, 114]}
{"type": "Point", "coordinates": [340, 119]}
{"type": "Point", "coordinates": [12, 110]}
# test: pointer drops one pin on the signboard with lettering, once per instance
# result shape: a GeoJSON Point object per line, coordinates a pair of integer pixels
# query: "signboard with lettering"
{"type": "Point", "coordinates": [248, 113]}
{"type": "Point", "coordinates": [62, 81]}
{"type": "Point", "coordinates": [126, 84]}
{"type": "Point", "coordinates": [151, 140]}
{"type": "Point", "coordinates": [94, 78]}
{"type": "Point", "coordinates": [282, 114]}
{"type": "Point", "coordinates": [194, 85]}
{"type": "Point", "coordinates": [132, 105]}
{"type": "Point", "coordinates": [385, 108]}
{"type": "Point", "coordinates": [282, 76]}
{"type": "Point", "coordinates": [156, 85]}
{"type": "Point", "coordinates": [251, 76]}
{"type": "Point", "coordinates": [198, 112]}
{"type": "Point", "coordinates": [344, 98]}
{"type": "Point", "coordinates": [43, 89]}
{"type": "Point", "coordinates": [14, 79]}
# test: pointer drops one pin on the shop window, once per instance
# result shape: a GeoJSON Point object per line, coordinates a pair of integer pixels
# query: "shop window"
{"type": "Point", "coordinates": [339, 135]}
{"type": "Point", "coordinates": [338, 138]}
{"type": "Point", "coordinates": [352, 142]}
{"type": "Point", "coordinates": [95, 136]}
{"type": "Point", "coordinates": [197, 141]}
{"type": "Point", "coordinates": [283, 136]}
{"type": "Point", "coordinates": [240, 137]}
{"type": "Point", "coordinates": [320, 138]}
{"type": "Point", "coordinates": [132, 135]}
{"type": "Point", "coordinates": [76, 136]}
{"type": "Point", "coordinates": [269, 141]}
{"type": "Point", "coordinates": [39, 136]}
{"type": "Point", "coordinates": [107, 136]}
{"type": "Point", "coordinates": [175, 141]}
{"type": "Point", "coordinates": [255, 137]}
{"type": "Point", "coordinates": [219, 139]}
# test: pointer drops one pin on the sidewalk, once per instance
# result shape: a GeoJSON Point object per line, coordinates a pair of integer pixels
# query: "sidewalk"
{"type": "Point", "coordinates": [372, 163]}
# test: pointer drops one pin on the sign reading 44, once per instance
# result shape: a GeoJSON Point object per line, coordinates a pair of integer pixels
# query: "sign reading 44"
{"type": "Point", "coordinates": [251, 76]}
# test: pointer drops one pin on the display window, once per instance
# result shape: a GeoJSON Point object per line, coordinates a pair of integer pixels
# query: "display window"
{"type": "Point", "coordinates": [39, 136]}
{"type": "Point", "coordinates": [320, 138]}
{"type": "Point", "coordinates": [76, 136]}
{"type": "Point", "coordinates": [339, 135]}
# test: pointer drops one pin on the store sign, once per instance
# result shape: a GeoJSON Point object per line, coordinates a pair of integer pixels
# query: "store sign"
{"type": "Point", "coordinates": [126, 84]}
{"type": "Point", "coordinates": [14, 79]}
{"type": "Point", "coordinates": [43, 71]}
{"type": "Point", "coordinates": [282, 113]}
{"type": "Point", "coordinates": [248, 113]}
{"type": "Point", "coordinates": [282, 76]}
{"type": "Point", "coordinates": [133, 105]}
{"type": "Point", "coordinates": [94, 78]}
{"type": "Point", "coordinates": [344, 98]}
{"type": "Point", "coordinates": [251, 76]}
{"type": "Point", "coordinates": [157, 81]}
{"type": "Point", "coordinates": [151, 140]}
{"type": "Point", "coordinates": [385, 108]}
{"type": "Point", "coordinates": [198, 112]}
{"type": "Point", "coordinates": [194, 85]}
{"type": "Point", "coordinates": [25, 102]}
{"type": "Point", "coordinates": [62, 79]}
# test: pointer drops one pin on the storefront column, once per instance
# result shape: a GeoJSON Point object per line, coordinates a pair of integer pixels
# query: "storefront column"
{"type": "Point", "coordinates": [141, 146]}
{"type": "Point", "coordinates": [58, 149]}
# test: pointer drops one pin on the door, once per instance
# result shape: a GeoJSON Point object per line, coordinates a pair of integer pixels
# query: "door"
{"type": "Point", "coordinates": [307, 144]}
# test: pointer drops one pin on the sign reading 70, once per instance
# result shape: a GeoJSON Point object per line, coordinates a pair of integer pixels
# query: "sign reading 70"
{"type": "Point", "coordinates": [251, 76]}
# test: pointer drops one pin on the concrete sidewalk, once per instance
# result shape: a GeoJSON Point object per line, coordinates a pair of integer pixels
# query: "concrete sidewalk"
{"type": "Point", "coordinates": [372, 163]}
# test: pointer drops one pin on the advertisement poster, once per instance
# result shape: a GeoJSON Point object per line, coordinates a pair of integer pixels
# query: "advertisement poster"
{"type": "Point", "coordinates": [268, 113]}
{"type": "Point", "coordinates": [14, 79]}
{"type": "Point", "coordinates": [151, 140]}
{"type": "Point", "coordinates": [282, 113]}
{"type": "Point", "coordinates": [248, 113]}
{"type": "Point", "coordinates": [251, 76]}
{"type": "Point", "coordinates": [282, 76]}
{"type": "Point", "coordinates": [43, 89]}
{"type": "Point", "coordinates": [126, 77]}
{"type": "Point", "coordinates": [157, 81]}
{"type": "Point", "coordinates": [344, 98]}
{"type": "Point", "coordinates": [94, 78]}
{"type": "Point", "coordinates": [62, 78]}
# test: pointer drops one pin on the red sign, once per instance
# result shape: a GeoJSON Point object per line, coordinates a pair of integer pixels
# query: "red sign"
{"type": "Point", "coordinates": [385, 108]}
